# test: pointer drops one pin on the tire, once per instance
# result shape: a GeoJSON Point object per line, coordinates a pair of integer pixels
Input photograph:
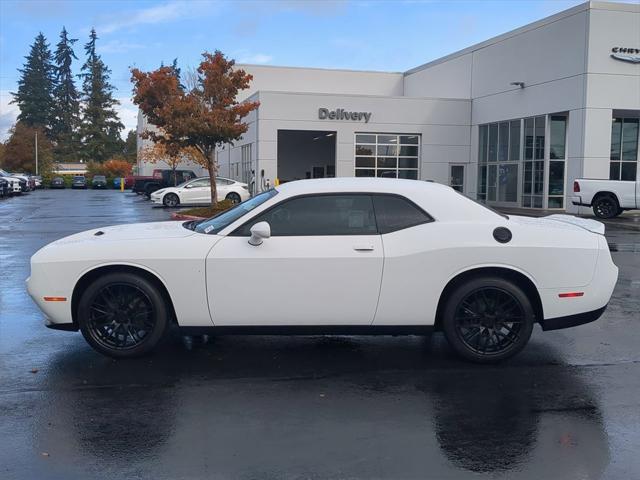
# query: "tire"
{"type": "Point", "coordinates": [233, 197]}
{"type": "Point", "coordinates": [606, 206]}
{"type": "Point", "coordinates": [171, 200]}
{"type": "Point", "coordinates": [119, 329]}
{"type": "Point", "coordinates": [488, 319]}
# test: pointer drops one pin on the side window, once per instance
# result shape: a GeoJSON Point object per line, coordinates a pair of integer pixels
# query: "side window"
{"type": "Point", "coordinates": [318, 215]}
{"type": "Point", "coordinates": [203, 182]}
{"type": "Point", "coordinates": [223, 181]}
{"type": "Point", "coordinates": [395, 213]}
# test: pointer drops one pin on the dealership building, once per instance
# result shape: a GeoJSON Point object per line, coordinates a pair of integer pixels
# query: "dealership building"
{"type": "Point", "coordinates": [511, 121]}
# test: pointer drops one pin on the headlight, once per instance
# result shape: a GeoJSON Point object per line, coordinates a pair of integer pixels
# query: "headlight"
{"type": "Point", "coordinates": [157, 193]}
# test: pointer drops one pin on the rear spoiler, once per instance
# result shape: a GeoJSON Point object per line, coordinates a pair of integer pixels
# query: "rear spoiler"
{"type": "Point", "coordinates": [591, 225]}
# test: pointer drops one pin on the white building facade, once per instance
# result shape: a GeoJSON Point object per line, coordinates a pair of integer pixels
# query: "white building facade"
{"type": "Point", "coordinates": [511, 121]}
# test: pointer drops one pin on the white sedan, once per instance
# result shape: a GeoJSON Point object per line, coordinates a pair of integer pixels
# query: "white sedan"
{"type": "Point", "coordinates": [331, 256]}
{"type": "Point", "coordinates": [198, 192]}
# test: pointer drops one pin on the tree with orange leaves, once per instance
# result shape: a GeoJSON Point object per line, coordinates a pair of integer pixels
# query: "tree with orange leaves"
{"type": "Point", "coordinates": [203, 116]}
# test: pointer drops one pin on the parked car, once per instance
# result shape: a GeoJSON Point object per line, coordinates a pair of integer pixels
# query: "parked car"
{"type": "Point", "coordinates": [161, 178]}
{"type": "Point", "coordinates": [37, 179]}
{"type": "Point", "coordinates": [4, 187]}
{"type": "Point", "coordinates": [198, 192]}
{"type": "Point", "coordinates": [116, 182]}
{"type": "Point", "coordinates": [79, 181]}
{"type": "Point", "coordinates": [608, 198]}
{"type": "Point", "coordinates": [30, 182]}
{"type": "Point", "coordinates": [16, 185]}
{"type": "Point", "coordinates": [22, 180]}
{"type": "Point", "coordinates": [308, 256]}
{"type": "Point", "coordinates": [99, 181]}
{"type": "Point", "coordinates": [57, 182]}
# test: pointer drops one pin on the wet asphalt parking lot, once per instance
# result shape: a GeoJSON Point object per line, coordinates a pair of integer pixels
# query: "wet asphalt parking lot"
{"type": "Point", "coordinates": [260, 407]}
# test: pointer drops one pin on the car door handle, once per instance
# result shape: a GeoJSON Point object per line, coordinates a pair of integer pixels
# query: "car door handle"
{"type": "Point", "coordinates": [363, 248]}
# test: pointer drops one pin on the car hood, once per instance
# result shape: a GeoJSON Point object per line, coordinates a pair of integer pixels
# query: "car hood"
{"type": "Point", "coordinates": [567, 222]}
{"type": "Point", "coordinates": [134, 231]}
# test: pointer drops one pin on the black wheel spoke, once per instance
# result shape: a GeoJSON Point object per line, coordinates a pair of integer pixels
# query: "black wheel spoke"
{"type": "Point", "coordinates": [489, 320]}
{"type": "Point", "coordinates": [121, 316]}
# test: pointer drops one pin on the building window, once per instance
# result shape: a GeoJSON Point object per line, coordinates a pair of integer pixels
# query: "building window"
{"type": "Point", "coordinates": [499, 155]}
{"type": "Point", "coordinates": [387, 155]}
{"type": "Point", "coordinates": [557, 156]}
{"type": "Point", "coordinates": [533, 166]}
{"type": "Point", "coordinates": [624, 149]}
{"type": "Point", "coordinates": [246, 162]}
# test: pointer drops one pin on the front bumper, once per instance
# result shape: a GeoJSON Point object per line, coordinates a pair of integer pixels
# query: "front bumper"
{"type": "Point", "coordinates": [66, 327]}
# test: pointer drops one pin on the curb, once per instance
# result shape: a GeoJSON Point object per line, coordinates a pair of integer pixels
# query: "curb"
{"type": "Point", "coordinates": [180, 216]}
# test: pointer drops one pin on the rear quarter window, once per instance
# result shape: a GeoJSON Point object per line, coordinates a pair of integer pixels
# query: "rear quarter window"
{"type": "Point", "coordinates": [395, 213]}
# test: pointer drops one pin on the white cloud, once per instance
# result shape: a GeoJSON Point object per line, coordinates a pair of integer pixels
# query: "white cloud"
{"type": "Point", "coordinates": [8, 114]}
{"type": "Point", "coordinates": [128, 113]}
{"type": "Point", "coordinates": [118, 46]}
{"type": "Point", "coordinates": [167, 12]}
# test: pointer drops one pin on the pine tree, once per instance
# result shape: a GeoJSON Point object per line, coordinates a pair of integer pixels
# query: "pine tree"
{"type": "Point", "coordinates": [66, 98]}
{"type": "Point", "coordinates": [100, 127]}
{"type": "Point", "coordinates": [35, 87]}
{"type": "Point", "coordinates": [130, 151]}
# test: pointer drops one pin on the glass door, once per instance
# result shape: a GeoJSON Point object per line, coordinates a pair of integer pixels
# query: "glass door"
{"type": "Point", "coordinates": [456, 177]}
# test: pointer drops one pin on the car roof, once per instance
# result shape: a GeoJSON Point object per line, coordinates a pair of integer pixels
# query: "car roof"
{"type": "Point", "coordinates": [440, 201]}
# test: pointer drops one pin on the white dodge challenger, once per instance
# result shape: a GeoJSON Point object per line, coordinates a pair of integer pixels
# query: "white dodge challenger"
{"type": "Point", "coordinates": [331, 256]}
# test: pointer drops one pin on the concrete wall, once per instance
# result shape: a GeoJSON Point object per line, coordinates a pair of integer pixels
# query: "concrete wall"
{"type": "Point", "coordinates": [443, 124]}
{"type": "Point", "coordinates": [317, 80]}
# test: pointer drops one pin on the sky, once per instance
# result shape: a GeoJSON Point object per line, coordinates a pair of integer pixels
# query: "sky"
{"type": "Point", "coordinates": [381, 35]}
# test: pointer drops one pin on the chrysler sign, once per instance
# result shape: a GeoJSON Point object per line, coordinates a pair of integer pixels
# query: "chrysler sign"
{"type": "Point", "coordinates": [631, 55]}
{"type": "Point", "coordinates": [342, 114]}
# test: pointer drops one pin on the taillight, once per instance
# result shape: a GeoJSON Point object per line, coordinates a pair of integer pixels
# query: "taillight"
{"type": "Point", "coordinates": [576, 187]}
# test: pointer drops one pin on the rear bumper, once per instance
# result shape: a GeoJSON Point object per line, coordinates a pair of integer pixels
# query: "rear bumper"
{"type": "Point", "coordinates": [578, 201]}
{"type": "Point", "coordinates": [572, 320]}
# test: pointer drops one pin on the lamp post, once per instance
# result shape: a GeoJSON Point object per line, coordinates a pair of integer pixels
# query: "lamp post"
{"type": "Point", "coordinates": [36, 153]}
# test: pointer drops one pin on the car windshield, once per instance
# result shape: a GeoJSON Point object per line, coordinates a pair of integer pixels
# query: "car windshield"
{"type": "Point", "coordinates": [215, 224]}
{"type": "Point", "coordinates": [99, 177]}
{"type": "Point", "coordinates": [78, 178]}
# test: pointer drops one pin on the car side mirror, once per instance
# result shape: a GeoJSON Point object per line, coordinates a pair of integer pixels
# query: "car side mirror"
{"type": "Point", "coordinates": [259, 232]}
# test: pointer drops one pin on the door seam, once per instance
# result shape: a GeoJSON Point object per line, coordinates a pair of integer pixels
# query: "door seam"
{"type": "Point", "coordinates": [384, 260]}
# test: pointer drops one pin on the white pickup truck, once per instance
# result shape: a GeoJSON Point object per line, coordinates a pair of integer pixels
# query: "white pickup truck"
{"type": "Point", "coordinates": [608, 198]}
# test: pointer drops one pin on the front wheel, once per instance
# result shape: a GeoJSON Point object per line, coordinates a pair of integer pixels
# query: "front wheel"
{"type": "Point", "coordinates": [487, 320]}
{"type": "Point", "coordinates": [122, 315]}
{"type": "Point", "coordinates": [606, 206]}
{"type": "Point", "coordinates": [233, 197]}
{"type": "Point", "coordinates": [170, 200]}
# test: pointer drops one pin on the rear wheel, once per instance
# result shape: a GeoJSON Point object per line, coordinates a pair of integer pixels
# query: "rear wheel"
{"type": "Point", "coordinates": [170, 200]}
{"type": "Point", "coordinates": [233, 197]}
{"type": "Point", "coordinates": [488, 319]}
{"type": "Point", "coordinates": [606, 206]}
{"type": "Point", "coordinates": [122, 315]}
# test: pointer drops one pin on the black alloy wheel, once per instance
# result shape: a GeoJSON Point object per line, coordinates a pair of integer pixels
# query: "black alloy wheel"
{"type": "Point", "coordinates": [170, 200]}
{"type": "Point", "coordinates": [606, 206]}
{"type": "Point", "coordinates": [122, 315]}
{"type": "Point", "coordinates": [488, 319]}
{"type": "Point", "coordinates": [233, 197]}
